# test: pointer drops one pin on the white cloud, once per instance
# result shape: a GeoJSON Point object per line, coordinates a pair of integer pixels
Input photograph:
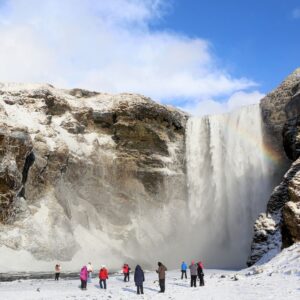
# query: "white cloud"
{"type": "Point", "coordinates": [243, 98]}
{"type": "Point", "coordinates": [296, 13]}
{"type": "Point", "coordinates": [210, 106]}
{"type": "Point", "coordinates": [108, 46]}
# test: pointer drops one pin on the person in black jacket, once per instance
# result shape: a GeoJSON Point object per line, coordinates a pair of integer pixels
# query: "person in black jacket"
{"type": "Point", "coordinates": [200, 273]}
{"type": "Point", "coordinates": [139, 278]}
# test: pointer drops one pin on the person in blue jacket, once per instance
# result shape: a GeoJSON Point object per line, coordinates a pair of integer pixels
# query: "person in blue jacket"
{"type": "Point", "coordinates": [183, 270]}
{"type": "Point", "coordinates": [139, 279]}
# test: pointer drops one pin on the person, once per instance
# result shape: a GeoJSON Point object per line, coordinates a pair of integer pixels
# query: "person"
{"type": "Point", "coordinates": [90, 271]}
{"type": "Point", "coordinates": [83, 277]}
{"type": "Point", "coordinates": [193, 270]}
{"type": "Point", "coordinates": [139, 278]}
{"type": "Point", "coordinates": [161, 276]}
{"type": "Point", "coordinates": [200, 273]}
{"type": "Point", "coordinates": [103, 275]}
{"type": "Point", "coordinates": [126, 270]}
{"type": "Point", "coordinates": [57, 271]}
{"type": "Point", "coordinates": [183, 270]}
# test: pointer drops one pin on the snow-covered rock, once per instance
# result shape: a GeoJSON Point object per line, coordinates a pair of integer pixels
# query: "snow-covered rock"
{"type": "Point", "coordinates": [104, 174]}
{"type": "Point", "coordinates": [279, 227]}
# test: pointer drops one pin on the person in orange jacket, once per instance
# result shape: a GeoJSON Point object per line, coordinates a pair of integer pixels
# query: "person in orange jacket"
{"type": "Point", "coordinates": [103, 275]}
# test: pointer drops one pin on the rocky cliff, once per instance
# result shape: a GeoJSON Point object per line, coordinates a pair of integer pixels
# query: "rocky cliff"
{"type": "Point", "coordinates": [86, 176]}
{"type": "Point", "coordinates": [279, 227]}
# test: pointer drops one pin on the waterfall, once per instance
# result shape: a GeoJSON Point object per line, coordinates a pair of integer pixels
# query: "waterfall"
{"type": "Point", "coordinates": [229, 183]}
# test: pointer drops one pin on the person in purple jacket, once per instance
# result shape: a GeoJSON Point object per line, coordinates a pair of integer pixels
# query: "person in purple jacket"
{"type": "Point", "coordinates": [83, 277]}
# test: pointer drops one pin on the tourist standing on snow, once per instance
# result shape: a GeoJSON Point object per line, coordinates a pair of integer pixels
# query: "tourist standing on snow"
{"type": "Point", "coordinates": [126, 270]}
{"type": "Point", "coordinates": [103, 275]}
{"type": "Point", "coordinates": [183, 270]}
{"type": "Point", "coordinates": [90, 271]}
{"type": "Point", "coordinates": [83, 277]}
{"type": "Point", "coordinates": [57, 271]}
{"type": "Point", "coordinates": [161, 276]}
{"type": "Point", "coordinates": [200, 273]}
{"type": "Point", "coordinates": [194, 273]}
{"type": "Point", "coordinates": [139, 278]}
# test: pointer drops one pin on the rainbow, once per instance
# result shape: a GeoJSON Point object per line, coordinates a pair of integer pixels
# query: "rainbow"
{"type": "Point", "coordinates": [267, 150]}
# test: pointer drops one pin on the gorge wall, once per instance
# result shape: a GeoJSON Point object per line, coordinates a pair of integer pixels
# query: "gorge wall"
{"type": "Point", "coordinates": [87, 176]}
{"type": "Point", "coordinates": [279, 226]}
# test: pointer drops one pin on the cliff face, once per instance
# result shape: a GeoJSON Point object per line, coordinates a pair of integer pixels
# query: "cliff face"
{"type": "Point", "coordinates": [86, 175]}
{"type": "Point", "coordinates": [279, 227]}
{"type": "Point", "coordinates": [15, 154]}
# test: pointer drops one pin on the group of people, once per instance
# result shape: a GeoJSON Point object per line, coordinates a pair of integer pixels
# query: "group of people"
{"type": "Point", "coordinates": [86, 275]}
{"type": "Point", "coordinates": [196, 269]}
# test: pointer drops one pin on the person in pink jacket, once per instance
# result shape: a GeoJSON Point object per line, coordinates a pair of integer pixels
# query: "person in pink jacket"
{"type": "Point", "coordinates": [83, 277]}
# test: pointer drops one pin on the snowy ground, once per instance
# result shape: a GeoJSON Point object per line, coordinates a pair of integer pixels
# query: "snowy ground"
{"type": "Point", "coordinates": [278, 279]}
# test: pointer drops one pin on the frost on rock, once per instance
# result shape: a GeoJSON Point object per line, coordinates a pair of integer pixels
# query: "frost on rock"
{"type": "Point", "coordinates": [106, 172]}
{"type": "Point", "coordinates": [279, 227]}
{"type": "Point", "coordinates": [287, 262]}
{"type": "Point", "coordinates": [281, 116]}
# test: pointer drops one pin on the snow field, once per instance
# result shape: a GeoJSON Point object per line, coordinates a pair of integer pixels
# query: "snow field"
{"type": "Point", "coordinates": [219, 285]}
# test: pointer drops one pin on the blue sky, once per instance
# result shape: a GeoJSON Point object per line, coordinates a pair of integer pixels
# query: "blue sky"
{"type": "Point", "coordinates": [257, 39]}
{"type": "Point", "coordinates": [203, 56]}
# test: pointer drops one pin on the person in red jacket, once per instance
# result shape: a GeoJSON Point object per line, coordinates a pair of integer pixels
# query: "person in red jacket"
{"type": "Point", "coordinates": [103, 275]}
{"type": "Point", "coordinates": [126, 270]}
{"type": "Point", "coordinates": [201, 273]}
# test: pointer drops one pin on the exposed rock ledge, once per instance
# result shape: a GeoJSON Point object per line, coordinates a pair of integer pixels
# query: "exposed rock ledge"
{"type": "Point", "coordinates": [82, 167]}
{"type": "Point", "coordinates": [279, 227]}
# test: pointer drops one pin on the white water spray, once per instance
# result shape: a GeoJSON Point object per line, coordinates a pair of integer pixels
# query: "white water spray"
{"type": "Point", "coordinates": [228, 183]}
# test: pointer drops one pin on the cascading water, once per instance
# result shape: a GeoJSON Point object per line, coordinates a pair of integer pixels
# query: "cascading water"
{"type": "Point", "coordinates": [229, 183]}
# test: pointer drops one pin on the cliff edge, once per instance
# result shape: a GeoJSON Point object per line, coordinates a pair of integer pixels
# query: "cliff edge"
{"type": "Point", "coordinates": [279, 227]}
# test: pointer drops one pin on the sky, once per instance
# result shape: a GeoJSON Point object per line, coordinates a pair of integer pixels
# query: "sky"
{"type": "Point", "coordinates": [202, 56]}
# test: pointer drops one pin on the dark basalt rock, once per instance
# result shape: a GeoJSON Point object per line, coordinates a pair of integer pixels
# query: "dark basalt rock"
{"type": "Point", "coordinates": [15, 154]}
{"type": "Point", "coordinates": [55, 106]}
{"type": "Point", "coordinates": [104, 119]}
{"type": "Point", "coordinates": [291, 137]}
{"type": "Point", "coordinates": [138, 136]}
{"type": "Point", "coordinates": [279, 227]}
{"type": "Point", "coordinates": [80, 93]}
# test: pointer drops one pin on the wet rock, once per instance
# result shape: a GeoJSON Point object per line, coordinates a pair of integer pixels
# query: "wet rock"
{"type": "Point", "coordinates": [80, 93]}
{"type": "Point", "coordinates": [9, 101]}
{"type": "Point", "coordinates": [84, 116]}
{"type": "Point", "coordinates": [291, 210]}
{"type": "Point", "coordinates": [279, 226]}
{"type": "Point", "coordinates": [279, 106]}
{"type": "Point", "coordinates": [73, 126]}
{"type": "Point", "coordinates": [55, 105]}
{"type": "Point", "coordinates": [291, 137]}
{"type": "Point", "coordinates": [104, 119]}
{"type": "Point", "coordinates": [15, 146]}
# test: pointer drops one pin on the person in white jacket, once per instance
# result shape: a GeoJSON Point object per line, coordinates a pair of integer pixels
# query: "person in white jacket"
{"type": "Point", "coordinates": [90, 271]}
